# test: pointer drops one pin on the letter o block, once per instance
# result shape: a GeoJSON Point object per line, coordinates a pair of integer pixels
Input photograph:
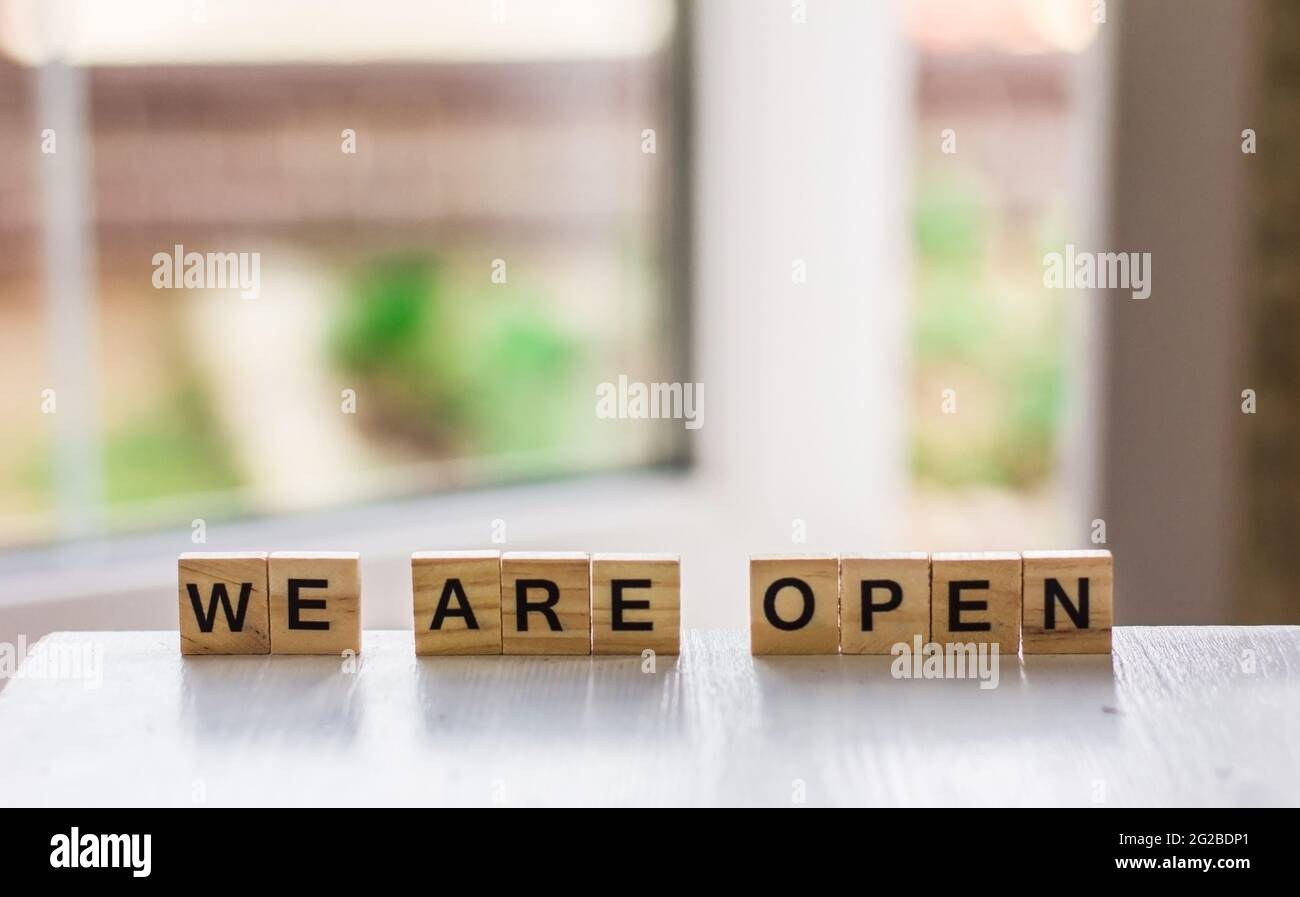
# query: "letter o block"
{"type": "Point", "coordinates": [315, 602]}
{"type": "Point", "coordinates": [794, 604]}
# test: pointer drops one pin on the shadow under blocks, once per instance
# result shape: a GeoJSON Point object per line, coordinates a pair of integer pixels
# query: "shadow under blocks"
{"type": "Point", "coordinates": [1035, 602]}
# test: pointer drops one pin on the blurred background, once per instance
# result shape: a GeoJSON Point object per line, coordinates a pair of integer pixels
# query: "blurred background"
{"type": "Point", "coordinates": [832, 215]}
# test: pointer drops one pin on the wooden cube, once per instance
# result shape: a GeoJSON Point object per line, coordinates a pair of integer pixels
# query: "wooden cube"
{"type": "Point", "coordinates": [315, 602]}
{"type": "Point", "coordinates": [794, 604]}
{"type": "Point", "coordinates": [635, 603]}
{"type": "Point", "coordinates": [975, 597]}
{"type": "Point", "coordinates": [223, 603]}
{"type": "Point", "coordinates": [457, 602]}
{"type": "Point", "coordinates": [545, 602]}
{"type": "Point", "coordinates": [1068, 602]}
{"type": "Point", "coordinates": [884, 599]}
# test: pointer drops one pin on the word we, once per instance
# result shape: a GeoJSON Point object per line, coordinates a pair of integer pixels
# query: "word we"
{"type": "Point", "coordinates": [78, 851]}
{"type": "Point", "coordinates": [181, 270]}
{"type": "Point", "coordinates": [289, 602]}
{"type": "Point", "coordinates": [1103, 270]}
{"type": "Point", "coordinates": [1059, 602]}
{"type": "Point", "coordinates": [653, 401]}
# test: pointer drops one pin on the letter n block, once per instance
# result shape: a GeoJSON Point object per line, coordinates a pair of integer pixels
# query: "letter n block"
{"type": "Point", "coordinates": [975, 597]}
{"type": "Point", "coordinates": [315, 602]}
{"type": "Point", "coordinates": [1069, 606]}
{"type": "Point", "coordinates": [635, 603]}
{"type": "Point", "coordinates": [223, 603]}
{"type": "Point", "coordinates": [794, 604]}
{"type": "Point", "coordinates": [545, 602]}
{"type": "Point", "coordinates": [457, 602]}
{"type": "Point", "coordinates": [884, 600]}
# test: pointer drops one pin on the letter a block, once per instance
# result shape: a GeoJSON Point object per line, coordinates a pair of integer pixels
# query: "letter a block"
{"type": "Point", "coordinates": [1069, 607]}
{"type": "Point", "coordinates": [794, 604]}
{"type": "Point", "coordinates": [457, 598]}
{"type": "Point", "coordinates": [884, 600]}
{"type": "Point", "coordinates": [223, 603]}
{"type": "Point", "coordinates": [315, 602]}
{"type": "Point", "coordinates": [635, 603]}
{"type": "Point", "coordinates": [975, 597]}
{"type": "Point", "coordinates": [545, 603]}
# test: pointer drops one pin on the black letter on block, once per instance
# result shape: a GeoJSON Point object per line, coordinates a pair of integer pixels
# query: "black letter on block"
{"type": "Point", "coordinates": [298, 604]}
{"type": "Point", "coordinates": [523, 605]}
{"type": "Point", "coordinates": [769, 603]}
{"type": "Point", "coordinates": [870, 585]}
{"type": "Point", "coordinates": [618, 604]}
{"type": "Point", "coordinates": [449, 588]}
{"type": "Point", "coordinates": [234, 618]}
{"type": "Point", "coordinates": [956, 606]}
{"type": "Point", "coordinates": [1053, 591]}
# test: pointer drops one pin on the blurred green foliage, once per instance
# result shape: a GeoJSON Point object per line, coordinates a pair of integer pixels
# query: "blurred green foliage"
{"type": "Point", "coordinates": [175, 449]}
{"type": "Point", "coordinates": [986, 320]}
{"type": "Point", "coordinates": [471, 372]}
{"type": "Point", "coordinates": [172, 448]}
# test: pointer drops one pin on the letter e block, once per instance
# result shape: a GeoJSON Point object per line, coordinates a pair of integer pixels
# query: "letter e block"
{"type": "Point", "coordinates": [884, 599]}
{"type": "Point", "coordinates": [315, 602]}
{"type": "Point", "coordinates": [794, 604]}
{"type": "Point", "coordinates": [223, 603]}
{"type": "Point", "coordinates": [975, 597]}
{"type": "Point", "coordinates": [457, 602]}
{"type": "Point", "coordinates": [635, 603]}
{"type": "Point", "coordinates": [1069, 608]}
{"type": "Point", "coordinates": [545, 602]}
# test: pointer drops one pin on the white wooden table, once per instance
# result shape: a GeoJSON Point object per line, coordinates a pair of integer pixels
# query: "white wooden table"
{"type": "Point", "coordinates": [1180, 716]}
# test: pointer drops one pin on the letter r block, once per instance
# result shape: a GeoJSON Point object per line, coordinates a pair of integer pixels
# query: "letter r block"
{"type": "Point", "coordinates": [975, 597]}
{"type": "Point", "coordinates": [223, 604]}
{"type": "Point", "coordinates": [315, 602]}
{"type": "Point", "coordinates": [545, 602]}
{"type": "Point", "coordinates": [1069, 605]}
{"type": "Point", "coordinates": [457, 602]}
{"type": "Point", "coordinates": [635, 603]}
{"type": "Point", "coordinates": [794, 604]}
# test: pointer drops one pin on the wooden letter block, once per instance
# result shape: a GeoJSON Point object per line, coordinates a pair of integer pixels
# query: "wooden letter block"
{"type": "Point", "coordinates": [223, 603]}
{"type": "Point", "coordinates": [315, 602]}
{"type": "Point", "coordinates": [457, 598]}
{"type": "Point", "coordinates": [884, 599]}
{"type": "Point", "coordinates": [1068, 602]}
{"type": "Point", "coordinates": [635, 603]}
{"type": "Point", "coordinates": [975, 597]}
{"type": "Point", "coordinates": [794, 604]}
{"type": "Point", "coordinates": [545, 603]}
